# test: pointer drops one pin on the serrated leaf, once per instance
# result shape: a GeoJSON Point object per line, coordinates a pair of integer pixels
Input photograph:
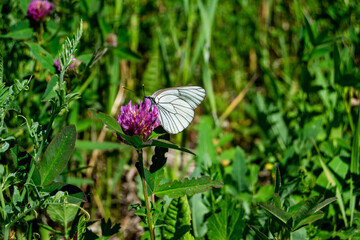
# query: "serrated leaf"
{"type": "Point", "coordinates": [279, 214]}
{"type": "Point", "coordinates": [227, 222]}
{"type": "Point", "coordinates": [187, 187]}
{"type": "Point", "coordinates": [57, 155]}
{"type": "Point", "coordinates": [178, 220]}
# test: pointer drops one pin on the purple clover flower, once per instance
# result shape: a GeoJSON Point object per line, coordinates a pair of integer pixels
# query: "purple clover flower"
{"type": "Point", "coordinates": [139, 119]}
{"type": "Point", "coordinates": [39, 9]}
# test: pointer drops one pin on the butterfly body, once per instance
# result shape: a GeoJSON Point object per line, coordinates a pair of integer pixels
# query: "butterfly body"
{"type": "Point", "coordinates": [176, 106]}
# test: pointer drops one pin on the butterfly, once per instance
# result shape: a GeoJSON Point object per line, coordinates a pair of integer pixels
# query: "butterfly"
{"type": "Point", "coordinates": [176, 106]}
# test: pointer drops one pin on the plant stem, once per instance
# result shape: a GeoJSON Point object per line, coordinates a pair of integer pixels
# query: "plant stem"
{"type": "Point", "coordinates": [38, 152]}
{"type": "Point", "coordinates": [147, 204]}
{"type": "Point", "coordinates": [2, 200]}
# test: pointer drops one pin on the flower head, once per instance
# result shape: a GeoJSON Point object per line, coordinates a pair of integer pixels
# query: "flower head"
{"type": "Point", "coordinates": [111, 40]}
{"type": "Point", "coordinates": [139, 119]}
{"type": "Point", "coordinates": [39, 9]}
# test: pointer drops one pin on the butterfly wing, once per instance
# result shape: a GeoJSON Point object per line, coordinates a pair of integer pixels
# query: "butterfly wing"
{"type": "Point", "coordinates": [176, 106]}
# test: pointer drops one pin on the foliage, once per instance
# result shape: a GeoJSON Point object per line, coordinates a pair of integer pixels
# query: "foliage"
{"type": "Point", "coordinates": [282, 83]}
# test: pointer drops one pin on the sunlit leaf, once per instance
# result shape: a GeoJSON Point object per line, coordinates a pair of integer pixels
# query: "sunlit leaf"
{"type": "Point", "coordinates": [178, 219]}
{"type": "Point", "coordinates": [187, 187]}
{"type": "Point", "coordinates": [227, 223]}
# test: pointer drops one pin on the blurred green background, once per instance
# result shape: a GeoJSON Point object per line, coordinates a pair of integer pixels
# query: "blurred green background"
{"type": "Point", "coordinates": [282, 82]}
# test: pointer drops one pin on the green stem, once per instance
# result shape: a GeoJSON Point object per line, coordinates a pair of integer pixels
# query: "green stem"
{"type": "Point", "coordinates": [2, 200]}
{"type": "Point", "coordinates": [147, 204]}
{"type": "Point", "coordinates": [38, 152]}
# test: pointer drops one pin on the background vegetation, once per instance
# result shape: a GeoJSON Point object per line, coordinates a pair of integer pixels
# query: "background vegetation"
{"type": "Point", "coordinates": [282, 80]}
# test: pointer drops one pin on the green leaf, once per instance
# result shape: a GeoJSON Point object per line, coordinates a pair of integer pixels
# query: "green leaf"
{"type": "Point", "coordinates": [311, 206]}
{"type": "Point", "coordinates": [277, 200]}
{"type": "Point", "coordinates": [178, 220]}
{"type": "Point", "coordinates": [62, 212]}
{"type": "Point", "coordinates": [337, 71]}
{"type": "Point", "coordinates": [206, 149]}
{"type": "Point", "coordinates": [126, 53]}
{"type": "Point", "coordinates": [16, 198]}
{"type": "Point", "coordinates": [85, 58]}
{"type": "Point", "coordinates": [224, 139]}
{"type": "Point", "coordinates": [239, 170]}
{"type": "Point", "coordinates": [279, 214]}
{"type": "Point", "coordinates": [309, 219]}
{"type": "Point", "coordinates": [354, 168]}
{"type": "Point", "coordinates": [20, 34]}
{"type": "Point", "coordinates": [294, 208]}
{"type": "Point", "coordinates": [277, 180]}
{"type": "Point", "coordinates": [153, 180]}
{"type": "Point", "coordinates": [89, 145]}
{"type": "Point", "coordinates": [50, 88]}
{"type": "Point", "coordinates": [44, 58]}
{"type": "Point", "coordinates": [166, 144]}
{"type": "Point", "coordinates": [78, 228]}
{"type": "Point", "coordinates": [57, 155]}
{"type": "Point", "coordinates": [115, 126]}
{"type": "Point", "coordinates": [50, 229]}
{"type": "Point", "coordinates": [187, 187]}
{"type": "Point", "coordinates": [227, 223]}
{"type": "Point", "coordinates": [108, 229]}
{"type": "Point", "coordinates": [299, 234]}
{"type": "Point", "coordinates": [264, 194]}
{"type": "Point", "coordinates": [198, 211]}
{"type": "Point", "coordinates": [75, 194]}
{"type": "Point", "coordinates": [258, 233]}
{"type": "Point", "coordinates": [4, 147]}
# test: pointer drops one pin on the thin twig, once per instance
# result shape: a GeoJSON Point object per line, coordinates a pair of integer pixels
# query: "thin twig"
{"type": "Point", "coordinates": [239, 98]}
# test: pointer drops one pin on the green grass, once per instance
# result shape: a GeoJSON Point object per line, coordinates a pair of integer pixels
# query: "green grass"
{"type": "Point", "coordinates": [282, 81]}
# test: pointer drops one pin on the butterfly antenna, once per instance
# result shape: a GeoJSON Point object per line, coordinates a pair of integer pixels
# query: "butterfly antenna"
{"type": "Point", "coordinates": [143, 87]}
{"type": "Point", "coordinates": [129, 89]}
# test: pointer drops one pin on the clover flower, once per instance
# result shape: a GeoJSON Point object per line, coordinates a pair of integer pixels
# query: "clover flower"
{"type": "Point", "coordinates": [111, 40]}
{"type": "Point", "coordinates": [140, 119]}
{"type": "Point", "coordinates": [39, 9]}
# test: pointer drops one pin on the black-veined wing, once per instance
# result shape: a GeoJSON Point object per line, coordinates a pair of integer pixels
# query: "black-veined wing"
{"type": "Point", "coordinates": [176, 106]}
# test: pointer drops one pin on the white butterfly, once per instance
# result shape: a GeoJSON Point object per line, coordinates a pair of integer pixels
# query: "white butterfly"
{"type": "Point", "coordinates": [176, 106]}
